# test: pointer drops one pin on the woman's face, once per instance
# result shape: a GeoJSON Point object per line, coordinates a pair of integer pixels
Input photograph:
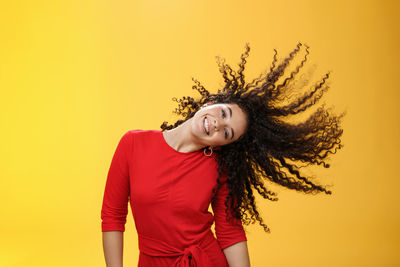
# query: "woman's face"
{"type": "Point", "coordinates": [219, 124]}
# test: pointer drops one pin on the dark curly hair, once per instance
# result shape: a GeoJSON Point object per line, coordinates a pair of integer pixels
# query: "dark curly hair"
{"type": "Point", "coordinates": [264, 150]}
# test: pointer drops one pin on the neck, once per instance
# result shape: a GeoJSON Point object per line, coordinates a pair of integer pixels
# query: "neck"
{"type": "Point", "coordinates": [181, 138]}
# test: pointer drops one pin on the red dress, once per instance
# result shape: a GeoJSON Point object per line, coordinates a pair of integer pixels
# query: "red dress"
{"type": "Point", "coordinates": [169, 194]}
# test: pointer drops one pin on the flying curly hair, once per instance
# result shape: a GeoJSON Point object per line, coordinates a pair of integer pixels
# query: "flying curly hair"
{"type": "Point", "coordinates": [270, 147]}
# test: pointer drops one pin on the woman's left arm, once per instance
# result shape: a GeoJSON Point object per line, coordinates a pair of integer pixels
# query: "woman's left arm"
{"type": "Point", "coordinates": [230, 234]}
{"type": "Point", "coordinates": [237, 255]}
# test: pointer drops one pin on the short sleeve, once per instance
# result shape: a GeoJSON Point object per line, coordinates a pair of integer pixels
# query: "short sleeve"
{"type": "Point", "coordinates": [117, 189]}
{"type": "Point", "coordinates": [227, 232]}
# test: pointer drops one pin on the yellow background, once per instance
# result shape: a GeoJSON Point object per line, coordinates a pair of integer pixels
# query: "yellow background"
{"type": "Point", "coordinates": [76, 75]}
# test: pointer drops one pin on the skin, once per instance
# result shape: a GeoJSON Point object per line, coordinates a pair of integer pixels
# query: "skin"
{"type": "Point", "coordinates": [190, 136]}
{"type": "Point", "coordinates": [237, 255]}
{"type": "Point", "coordinates": [113, 247]}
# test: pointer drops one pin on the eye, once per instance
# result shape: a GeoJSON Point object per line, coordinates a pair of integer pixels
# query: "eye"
{"type": "Point", "coordinates": [223, 113]}
{"type": "Point", "coordinates": [226, 134]}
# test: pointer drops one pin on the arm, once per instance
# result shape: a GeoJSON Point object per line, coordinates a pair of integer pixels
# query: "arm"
{"type": "Point", "coordinates": [113, 243]}
{"type": "Point", "coordinates": [115, 203]}
{"type": "Point", "coordinates": [237, 255]}
{"type": "Point", "coordinates": [230, 234]}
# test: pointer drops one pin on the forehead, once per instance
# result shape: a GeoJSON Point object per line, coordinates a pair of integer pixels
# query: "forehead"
{"type": "Point", "coordinates": [236, 110]}
{"type": "Point", "coordinates": [239, 117]}
{"type": "Point", "coordinates": [231, 105]}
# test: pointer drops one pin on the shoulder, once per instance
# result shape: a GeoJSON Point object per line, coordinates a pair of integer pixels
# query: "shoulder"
{"type": "Point", "coordinates": [137, 138]}
{"type": "Point", "coordinates": [139, 134]}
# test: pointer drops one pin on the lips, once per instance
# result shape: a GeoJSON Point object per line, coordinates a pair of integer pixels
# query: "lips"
{"type": "Point", "coordinates": [202, 125]}
{"type": "Point", "coordinates": [204, 128]}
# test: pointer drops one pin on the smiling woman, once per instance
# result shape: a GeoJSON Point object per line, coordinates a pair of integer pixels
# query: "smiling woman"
{"type": "Point", "coordinates": [171, 177]}
{"type": "Point", "coordinates": [212, 126]}
{"type": "Point", "coordinates": [219, 122]}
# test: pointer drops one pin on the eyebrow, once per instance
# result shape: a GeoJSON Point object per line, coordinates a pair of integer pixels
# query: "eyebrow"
{"type": "Point", "coordinates": [230, 112]}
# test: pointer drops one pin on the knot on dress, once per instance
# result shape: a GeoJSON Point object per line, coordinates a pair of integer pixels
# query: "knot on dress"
{"type": "Point", "coordinates": [192, 256]}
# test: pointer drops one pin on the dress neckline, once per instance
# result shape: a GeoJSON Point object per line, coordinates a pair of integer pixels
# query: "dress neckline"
{"type": "Point", "coordinates": [176, 151]}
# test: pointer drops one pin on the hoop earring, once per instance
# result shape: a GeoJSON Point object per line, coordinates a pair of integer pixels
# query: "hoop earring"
{"type": "Point", "coordinates": [208, 155]}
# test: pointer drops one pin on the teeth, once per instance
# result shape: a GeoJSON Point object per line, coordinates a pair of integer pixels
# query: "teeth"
{"type": "Point", "coordinates": [206, 125]}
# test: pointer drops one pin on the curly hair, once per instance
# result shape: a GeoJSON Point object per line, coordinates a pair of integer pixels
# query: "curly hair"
{"type": "Point", "coordinates": [264, 150]}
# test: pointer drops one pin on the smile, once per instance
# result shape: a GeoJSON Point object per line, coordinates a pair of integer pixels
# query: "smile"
{"type": "Point", "coordinates": [206, 125]}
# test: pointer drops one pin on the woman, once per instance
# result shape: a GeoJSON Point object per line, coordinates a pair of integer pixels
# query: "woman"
{"type": "Point", "coordinates": [224, 147]}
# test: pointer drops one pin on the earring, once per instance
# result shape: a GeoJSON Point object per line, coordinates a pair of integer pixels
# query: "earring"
{"type": "Point", "coordinates": [208, 155]}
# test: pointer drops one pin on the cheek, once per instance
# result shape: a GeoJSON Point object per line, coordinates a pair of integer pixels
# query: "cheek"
{"type": "Point", "coordinates": [221, 138]}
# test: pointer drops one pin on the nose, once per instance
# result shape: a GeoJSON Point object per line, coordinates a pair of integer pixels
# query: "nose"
{"type": "Point", "coordinates": [218, 124]}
